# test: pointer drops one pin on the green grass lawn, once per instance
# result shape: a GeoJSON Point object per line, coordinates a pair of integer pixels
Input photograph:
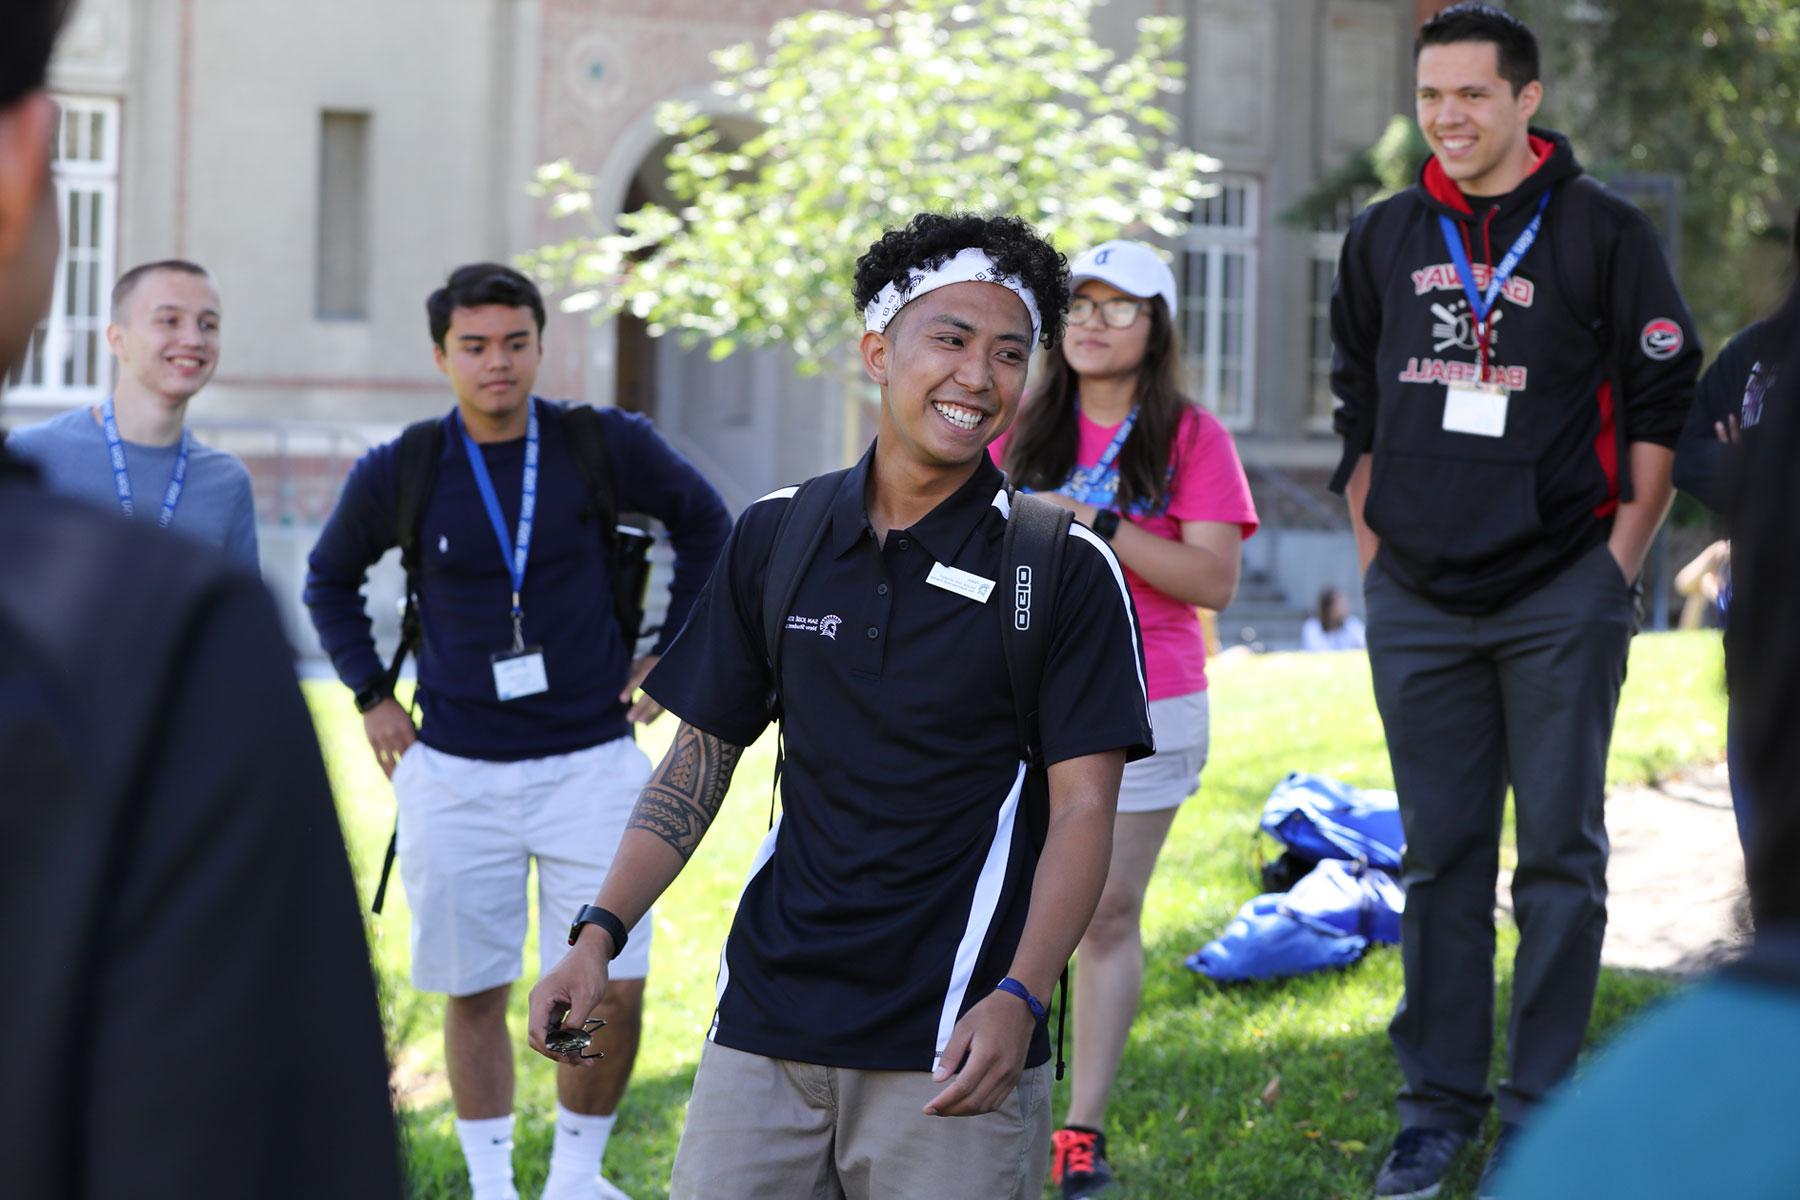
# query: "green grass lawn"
{"type": "Point", "coordinates": [1188, 1117]}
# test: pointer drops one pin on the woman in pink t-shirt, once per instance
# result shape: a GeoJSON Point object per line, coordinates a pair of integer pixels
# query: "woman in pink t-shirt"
{"type": "Point", "coordinates": [1111, 437]}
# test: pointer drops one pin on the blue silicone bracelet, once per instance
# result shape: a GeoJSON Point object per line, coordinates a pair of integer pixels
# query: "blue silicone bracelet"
{"type": "Point", "coordinates": [1009, 984]}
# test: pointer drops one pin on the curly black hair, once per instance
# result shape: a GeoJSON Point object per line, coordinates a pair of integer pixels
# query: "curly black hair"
{"type": "Point", "coordinates": [931, 239]}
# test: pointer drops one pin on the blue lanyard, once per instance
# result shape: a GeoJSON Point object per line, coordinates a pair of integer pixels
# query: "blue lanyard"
{"type": "Point", "coordinates": [115, 452]}
{"type": "Point", "coordinates": [515, 552]}
{"type": "Point", "coordinates": [1480, 303]}
{"type": "Point", "coordinates": [1099, 484]}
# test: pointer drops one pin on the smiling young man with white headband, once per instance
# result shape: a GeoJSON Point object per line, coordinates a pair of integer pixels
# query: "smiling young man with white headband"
{"type": "Point", "coordinates": [881, 994]}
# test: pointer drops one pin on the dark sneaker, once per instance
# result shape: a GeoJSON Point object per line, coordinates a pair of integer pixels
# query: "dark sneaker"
{"type": "Point", "coordinates": [1496, 1161]}
{"type": "Point", "coordinates": [1416, 1166]}
{"type": "Point", "coordinates": [1078, 1162]}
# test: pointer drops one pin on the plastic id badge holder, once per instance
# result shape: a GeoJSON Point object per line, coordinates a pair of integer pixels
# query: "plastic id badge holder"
{"type": "Point", "coordinates": [1477, 408]}
{"type": "Point", "coordinates": [519, 673]}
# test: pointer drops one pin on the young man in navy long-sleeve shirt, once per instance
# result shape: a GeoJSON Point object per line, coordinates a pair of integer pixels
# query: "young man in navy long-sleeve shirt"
{"type": "Point", "coordinates": [525, 748]}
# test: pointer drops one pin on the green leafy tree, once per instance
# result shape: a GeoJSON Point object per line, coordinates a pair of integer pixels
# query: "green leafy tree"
{"type": "Point", "coordinates": [1707, 91]}
{"type": "Point", "coordinates": [861, 121]}
{"type": "Point", "coordinates": [1704, 91]}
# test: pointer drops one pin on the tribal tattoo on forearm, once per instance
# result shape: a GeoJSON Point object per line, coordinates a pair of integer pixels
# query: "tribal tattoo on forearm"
{"type": "Point", "coordinates": [684, 795]}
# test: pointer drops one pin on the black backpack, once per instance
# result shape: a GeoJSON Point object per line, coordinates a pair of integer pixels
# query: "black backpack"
{"type": "Point", "coordinates": [1031, 555]}
{"type": "Point", "coordinates": [417, 454]}
{"type": "Point", "coordinates": [626, 548]}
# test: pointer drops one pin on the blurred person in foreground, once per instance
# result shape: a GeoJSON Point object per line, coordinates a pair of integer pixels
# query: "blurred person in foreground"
{"type": "Point", "coordinates": [1698, 1098]}
{"type": "Point", "coordinates": [1111, 437]}
{"type": "Point", "coordinates": [880, 1026]}
{"type": "Point", "coordinates": [1513, 364]}
{"type": "Point", "coordinates": [1728, 409]}
{"type": "Point", "coordinates": [133, 452]}
{"type": "Point", "coordinates": [188, 1008]}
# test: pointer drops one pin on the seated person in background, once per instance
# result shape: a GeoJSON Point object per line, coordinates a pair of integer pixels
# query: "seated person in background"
{"type": "Point", "coordinates": [1703, 584]}
{"type": "Point", "coordinates": [1333, 626]}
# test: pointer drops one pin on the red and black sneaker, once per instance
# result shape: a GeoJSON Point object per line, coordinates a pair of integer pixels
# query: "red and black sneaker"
{"type": "Point", "coordinates": [1078, 1162]}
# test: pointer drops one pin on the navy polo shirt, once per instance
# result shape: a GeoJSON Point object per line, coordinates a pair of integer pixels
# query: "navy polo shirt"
{"type": "Point", "coordinates": [889, 897]}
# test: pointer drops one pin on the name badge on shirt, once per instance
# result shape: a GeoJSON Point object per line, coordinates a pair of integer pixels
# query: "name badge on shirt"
{"type": "Point", "coordinates": [520, 673]}
{"type": "Point", "coordinates": [1477, 408]}
{"type": "Point", "coordinates": [961, 582]}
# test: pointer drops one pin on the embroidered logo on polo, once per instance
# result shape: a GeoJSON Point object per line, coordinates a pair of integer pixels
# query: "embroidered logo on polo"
{"type": "Point", "coordinates": [825, 627]}
{"type": "Point", "coordinates": [1661, 339]}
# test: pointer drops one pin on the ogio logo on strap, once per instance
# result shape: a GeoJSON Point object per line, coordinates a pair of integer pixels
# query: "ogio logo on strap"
{"type": "Point", "coordinates": [1022, 599]}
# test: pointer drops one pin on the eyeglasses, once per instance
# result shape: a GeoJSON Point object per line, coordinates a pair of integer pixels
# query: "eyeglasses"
{"type": "Point", "coordinates": [569, 1042]}
{"type": "Point", "coordinates": [1118, 313]}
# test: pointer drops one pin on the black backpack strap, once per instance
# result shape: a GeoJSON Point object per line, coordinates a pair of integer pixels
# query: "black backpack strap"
{"type": "Point", "coordinates": [416, 457]}
{"type": "Point", "coordinates": [627, 573]}
{"type": "Point", "coordinates": [419, 448]}
{"type": "Point", "coordinates": [797, 537]}
{"type": "Point", "coordinates": [1032, 551]}
{"type": "Point", "coordinates": [581, 426]}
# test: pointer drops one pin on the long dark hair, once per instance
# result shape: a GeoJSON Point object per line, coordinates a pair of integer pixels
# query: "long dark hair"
{"type": "Point", "coordinates": [1326, 596]}
{"type": "Point", "coordinates": [1041, 452]}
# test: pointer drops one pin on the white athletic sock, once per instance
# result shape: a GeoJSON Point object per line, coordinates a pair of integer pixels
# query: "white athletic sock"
{"type": "Point", "coordinates": [575, 1155]}
{"type": "Point", "coordinates": [487, 1146]}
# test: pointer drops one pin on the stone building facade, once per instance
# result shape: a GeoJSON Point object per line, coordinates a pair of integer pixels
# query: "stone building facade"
{"type": "Point", "coordinates": [331, 161]}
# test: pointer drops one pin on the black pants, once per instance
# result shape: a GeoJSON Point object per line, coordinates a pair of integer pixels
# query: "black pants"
{"type": "Point", "coordinates": [1524, 696]}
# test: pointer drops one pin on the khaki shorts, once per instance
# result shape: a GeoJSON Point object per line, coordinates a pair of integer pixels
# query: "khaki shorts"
{"type": "Point", "coordinates": [764, 1127]}
{"type": "Point", "coordinates": [1172, 774]}
{"type": "Point", "coordinates": [468, 832]}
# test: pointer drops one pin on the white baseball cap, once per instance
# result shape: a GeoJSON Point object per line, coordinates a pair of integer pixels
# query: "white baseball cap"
{"type": "Point", "coordinates": [1132, 267]}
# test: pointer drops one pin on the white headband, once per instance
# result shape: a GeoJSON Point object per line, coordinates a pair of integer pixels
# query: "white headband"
{"type": "Point", "coordinates": [968, 266]}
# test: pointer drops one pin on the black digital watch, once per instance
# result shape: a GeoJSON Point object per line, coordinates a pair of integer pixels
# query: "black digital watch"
{"type": "Point", "coordinates": [370, 696]}
{"type": "Point", "coordinates": [593, 914]}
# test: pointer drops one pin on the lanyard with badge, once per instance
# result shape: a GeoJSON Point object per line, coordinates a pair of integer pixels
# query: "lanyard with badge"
{"type": "Point", "coordinates": [1479, 407]}
{"type": "Point", "coordinates": [1098, 485]}
{"type": "Point", "coordinates": [115, 453]}
{"type": "Point", "coordinates": [518, 672]}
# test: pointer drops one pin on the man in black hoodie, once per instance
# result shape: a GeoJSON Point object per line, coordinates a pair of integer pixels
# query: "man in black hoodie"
{"type": "Point", "coordinates": [1513, 364]}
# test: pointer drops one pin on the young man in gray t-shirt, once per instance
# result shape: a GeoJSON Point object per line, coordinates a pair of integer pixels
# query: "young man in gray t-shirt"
{"type": "Point", "coordinates": [132, 452]}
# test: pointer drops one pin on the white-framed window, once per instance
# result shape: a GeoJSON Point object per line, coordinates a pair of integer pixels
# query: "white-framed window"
{"type": "Point", "coordinates": [1327, 245]}
{"type": "Point", "coordinates": [68, 358]}
{"type": "Point", "coordinates": [1218, 300]}
{"type": "Point", "coordinates": [1324, 261]}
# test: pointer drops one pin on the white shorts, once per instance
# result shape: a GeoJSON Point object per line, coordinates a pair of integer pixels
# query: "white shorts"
{"type": "Point", "coordinates": [1172, 774]}
{"type": "Point", "coordinates": [468, 831]}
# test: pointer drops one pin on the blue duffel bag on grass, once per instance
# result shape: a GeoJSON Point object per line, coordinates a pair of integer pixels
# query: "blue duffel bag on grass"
{"type": "Point", "coordinates": [1318, 817]}
{"type": "Point", "coordinates": [1348, 843]}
